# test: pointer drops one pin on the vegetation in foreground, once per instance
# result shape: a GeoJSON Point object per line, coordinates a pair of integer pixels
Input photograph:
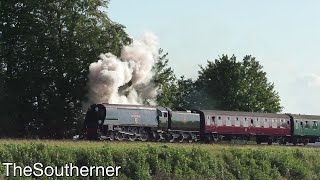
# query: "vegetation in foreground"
{"type": "Point", "coordinates": [170, 161]}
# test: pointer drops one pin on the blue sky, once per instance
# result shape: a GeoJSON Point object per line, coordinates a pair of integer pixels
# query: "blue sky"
{"type": "Point", "coordinates": [283, 35]}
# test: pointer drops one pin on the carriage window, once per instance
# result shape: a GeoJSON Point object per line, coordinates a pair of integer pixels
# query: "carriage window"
{"type": "Point", "coordinates": [266, 123]}
{"type": "Point", "coordinates": [274, 123]}
{"type": "Point", "coordinates": [165, 114]}
{"type": "Point", "coordinates": [237, 122]}
{"type": "Point", "coordinates": [288, 122]}
{"type": "Point", "coordinates": [301, 124]}
{"type": "Point", "coordinates": [315, 125]}
{"type": "Point", "coordinates": [208, 120]}
{"type": "Point", "coordinates": [283, 123]}
{"type": "Point", "coordinates": [219, 122]}
{"type": "Point", "coordinates": [307, 125]}
{"type": "Point", "coordinates": [228, 121]}
{"type": "Point", "coordinates": [245, 122]}
{"type": "Point", "coordinates": [257, 123]}
{"type": "Point", "coordinates": [213, 120]}
{"type": "Point", "coordinates": [251, 121]}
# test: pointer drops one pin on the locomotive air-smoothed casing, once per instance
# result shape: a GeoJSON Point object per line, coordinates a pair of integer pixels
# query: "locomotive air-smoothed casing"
{"type": "Point", "coordinates": [184, 121]}
{"type": "Point", "coordinates": [135, 115]}
{"type": "Point", "coordinates": [306, 125]}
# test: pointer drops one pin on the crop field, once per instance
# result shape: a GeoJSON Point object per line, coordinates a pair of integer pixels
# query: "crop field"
{"type": "Point", "coordinates": [139, 160]}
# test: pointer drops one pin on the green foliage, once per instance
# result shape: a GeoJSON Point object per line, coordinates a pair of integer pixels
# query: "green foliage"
{"type": "Point", "coordinates": [165, 79]}
{"type": "Point", "coordinates": [46, 49]}
{"type": "Point", "coordinates": [186, 93]}
{"type": "Point", "coordinates": [173, 93]}
{"type": "Point", "coordinates": [233, 85]}
{"type": "Point", "coordinates": [171, 161]}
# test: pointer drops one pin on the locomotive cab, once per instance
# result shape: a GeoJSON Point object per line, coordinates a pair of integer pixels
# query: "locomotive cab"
{"type": "Point", "coordinates": [163, 116]}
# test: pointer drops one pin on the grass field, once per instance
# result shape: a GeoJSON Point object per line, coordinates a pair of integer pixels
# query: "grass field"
{"type": "Point", "coordinates": [140, 160]}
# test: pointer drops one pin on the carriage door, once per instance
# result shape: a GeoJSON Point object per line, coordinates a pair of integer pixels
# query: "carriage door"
{"type": "Point", "coordinates": [299, 127]}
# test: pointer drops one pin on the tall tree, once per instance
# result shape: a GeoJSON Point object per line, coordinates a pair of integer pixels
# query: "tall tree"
{"type": "Point", "coordinates": [187, 94]}
{"type": "Point", "coordinates": [234, 85]}
{"type": "Point", "coordinates": [46, 48]}
{"type": "Point", "coordinates": [165, 79]}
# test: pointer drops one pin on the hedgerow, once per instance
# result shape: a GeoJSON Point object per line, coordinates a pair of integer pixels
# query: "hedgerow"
{"type": "Point", "coordinates": [170, 161]}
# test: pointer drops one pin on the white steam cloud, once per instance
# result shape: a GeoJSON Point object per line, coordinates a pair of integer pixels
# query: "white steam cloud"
{"type": "Point", "coordinates": [124, 80]}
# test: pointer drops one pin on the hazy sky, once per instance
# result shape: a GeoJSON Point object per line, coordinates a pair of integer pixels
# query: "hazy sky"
{"type": "Point", "coordinates": [283, 35]}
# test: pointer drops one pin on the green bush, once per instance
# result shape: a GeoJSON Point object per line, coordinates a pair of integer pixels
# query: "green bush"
{"type": "Point", "coordinates": [170, 161]}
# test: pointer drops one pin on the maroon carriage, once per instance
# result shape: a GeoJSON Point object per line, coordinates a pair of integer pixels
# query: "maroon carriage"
{"type": "Point", "coordinates": [227, 125]}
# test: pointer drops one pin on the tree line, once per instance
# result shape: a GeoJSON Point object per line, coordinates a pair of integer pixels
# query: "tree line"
{"type": "Point", "coordinates": [46, 49]}
{"type": "Point", "coordinates": [222, 84]}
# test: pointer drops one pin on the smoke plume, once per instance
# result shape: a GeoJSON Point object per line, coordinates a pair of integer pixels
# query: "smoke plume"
{"type": "Point", "coordinates": [127, 79]}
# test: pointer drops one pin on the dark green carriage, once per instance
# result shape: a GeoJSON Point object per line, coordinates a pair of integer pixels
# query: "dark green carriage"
{"type": "Point", "coordinates": [306, 127]}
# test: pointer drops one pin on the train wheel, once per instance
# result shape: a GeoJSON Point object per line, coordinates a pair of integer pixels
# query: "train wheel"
{"type": "Point", "coordinates": [295, 142]}
{"type": "Point", "coordinates": [181, 137]}
{"type": "Point", "coordinates": [215, 139]}
{"type": "Point", "coordinates": [306, 142]}
{"type": "Point", "coordinates": [207, 139]}
{"type": "Point", "coordinates": [154, 136]}
{"type": "Point", "coordinates": [119, 136]}
{"type": "Point", "coordinates": [194, 137]}
{"type": "Point", "coordinates": [131, 138]}
{"type": "Point", "coordinates": [133, 131]}
{"type": "Point", "coordinates": [189, 138]}
{"type": "Point", "coordinates": [170, 137]}
{"type": "Point", "coordinates": [244, 140]}
{"type": "Point", "coordinates": [144, 136]}
{"type": "Point", "coordinates": [282, 142]}
{"type": "Point", "coordinates": [111, 136]}
{"type": "Point", "coordinates": [270, 142]}
{"type": "Point", "coordinates": [161, 136]}
{"type": "Point", "coordinates": [258, 141]}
